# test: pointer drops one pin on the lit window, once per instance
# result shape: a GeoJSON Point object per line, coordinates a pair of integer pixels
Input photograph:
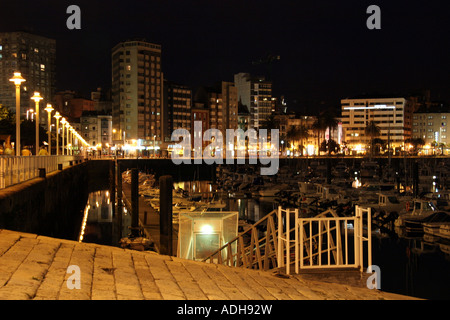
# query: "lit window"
{"type": "Point", "coordinates": [42, 67]}
{"type": "Point", "coordinates": [36, 50]}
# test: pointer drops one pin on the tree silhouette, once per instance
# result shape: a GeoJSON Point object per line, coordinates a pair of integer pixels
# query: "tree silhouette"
{"type": "Point", "coordinates": [372, 131]}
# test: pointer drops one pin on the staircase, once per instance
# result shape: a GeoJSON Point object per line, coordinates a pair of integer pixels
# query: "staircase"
{"type": "Point", "coordinates": [283, 240]}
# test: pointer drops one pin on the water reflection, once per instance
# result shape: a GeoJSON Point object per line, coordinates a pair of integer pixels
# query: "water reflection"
{"type": "Point", "coordinates": [103, 222]}
{"type": "Point", "coordinates": [413, 266]}
{"type": "Point", "coordinates": [250, 209]}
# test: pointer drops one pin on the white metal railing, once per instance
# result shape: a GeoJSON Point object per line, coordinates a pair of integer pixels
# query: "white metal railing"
{"type": "Point", "coordinates": [326, 242]}
{"type": "Point", "coordinates": [14, 170]}
{"type": "Point", "coordinates": [321, 242]}
{"type": "Point", "coordinates": [284, 238]}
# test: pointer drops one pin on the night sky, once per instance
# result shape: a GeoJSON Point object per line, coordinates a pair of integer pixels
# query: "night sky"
{"type": "Point", "coordinates": [327, 52]}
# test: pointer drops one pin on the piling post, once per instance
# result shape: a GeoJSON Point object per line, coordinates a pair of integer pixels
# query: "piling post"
{"type": "Point", "coordinates": [416, 179]}
{"type": "Point", "coordinates": [165, 215]}
{"type": "Point", "coordinates": [119, 184]}
{"type": "Point", "coordinates": [112, 184]}
{"type": "Point", "coordinates": [134, 202]}
{"type": "Point", "coordinates": [328, 170]}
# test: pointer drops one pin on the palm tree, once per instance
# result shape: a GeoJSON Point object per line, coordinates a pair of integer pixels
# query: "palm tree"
{"type": "Point", "coordinates": [416, 143]}
{"type": "Point", "coordinates": [330, 122]}
{"type": "Point", "coordinates": [372, 131]}
{"type": "Point", "coordinates": [319, 126]}
{"type": "Point", "coordinates": [303, 134]}
{"type": "Point", "coordinates": [292, 135]}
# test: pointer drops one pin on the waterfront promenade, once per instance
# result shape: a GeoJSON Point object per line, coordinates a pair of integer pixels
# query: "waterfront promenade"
{"type": "Point", "coordinates": [35, 267]}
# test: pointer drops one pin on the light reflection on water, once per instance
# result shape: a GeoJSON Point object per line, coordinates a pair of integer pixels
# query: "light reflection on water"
{"type": "Point", "coordinates": [408, 266]}
{"type": "Point", "coordinates": [101, 222]}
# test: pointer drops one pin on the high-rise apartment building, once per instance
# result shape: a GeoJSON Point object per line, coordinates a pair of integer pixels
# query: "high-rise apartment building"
{"type": "Point", "coordinates": [393, 116]}
{"type": "Point", "coordinates": [177, 108]}
{"type": "Point", "coordinates": [34, 57]}
{"type": "Point", "coordinates": [256, 94]}
{"type": "Point", "coordinates": [230, 105]}
{"type": "Point", "coordinates": [137, 92]}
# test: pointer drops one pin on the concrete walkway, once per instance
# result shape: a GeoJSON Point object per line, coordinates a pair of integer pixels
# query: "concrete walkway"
{"type": "Point", "coordinates": [35, 267]}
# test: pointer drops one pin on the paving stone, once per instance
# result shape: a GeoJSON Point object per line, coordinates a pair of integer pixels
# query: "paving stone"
{"type": "Point", "coordinates": [36, 267]}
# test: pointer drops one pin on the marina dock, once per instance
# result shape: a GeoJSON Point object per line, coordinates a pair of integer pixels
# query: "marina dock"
{"type": "Point", "coordinates": [35, 267]}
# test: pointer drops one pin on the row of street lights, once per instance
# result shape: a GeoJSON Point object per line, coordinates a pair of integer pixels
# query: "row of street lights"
{"type": "Point", "coordinates": [72, 135]}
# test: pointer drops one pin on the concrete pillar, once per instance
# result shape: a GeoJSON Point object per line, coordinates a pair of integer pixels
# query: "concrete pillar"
{"type": "Point", "coordinates": [328, 170]}
{"type": "Point", "coordinates": [112, 185]}
{"type": "Point", "coordinates": [165, 215]}
{"type": "Point", "coordinates": [416, 179]}
{"type": "Point", "coordinates": [119, 184]}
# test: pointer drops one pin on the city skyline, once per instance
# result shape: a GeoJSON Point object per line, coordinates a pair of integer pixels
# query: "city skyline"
{"type": "Point", "coordinates": [326, 51]}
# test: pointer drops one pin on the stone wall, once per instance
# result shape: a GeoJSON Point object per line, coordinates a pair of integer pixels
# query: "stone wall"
{"type": "Point", "coordinates": [53, 205]}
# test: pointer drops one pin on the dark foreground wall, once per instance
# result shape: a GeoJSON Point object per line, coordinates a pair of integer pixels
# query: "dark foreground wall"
{"type": "Point", "coordinates": [54, 205]}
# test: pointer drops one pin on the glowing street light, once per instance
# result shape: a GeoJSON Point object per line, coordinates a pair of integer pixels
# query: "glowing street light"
{"type": "Point", "coordinates": [37, 98]}
{"type": "Point", "coordinates": [49, 110]}
{"type": "Point", "coordinates": [72, 140]}
{"type": "Point", "coordinates": [17, 79]}
{"type": "Point", "coordinates": [67, 138]}
{"type": "Point", "coordinates": [57, 116]}
{"type": "Point", "coordinates": [63, 122]}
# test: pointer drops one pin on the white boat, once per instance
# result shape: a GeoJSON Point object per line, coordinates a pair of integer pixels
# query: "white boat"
{"type": "Point", "coordinates": [432, 228]}
{"type": "Point", "coordinates": [369, 170]}
{"type": "Point", "coordinates": [421, 208]}
{"type": "Point", "coordinates": [444, 231]}
{"type": "Point", "coordinates": [432, 222]}
{"type": "Point", "coordinates": [387, 203]}
{"type": "Point", "coordinates": [341, 170]}
{"type": "Point", "coordinates": [306, 187]}
{"type": "Point", "coordinates": [272, 190]}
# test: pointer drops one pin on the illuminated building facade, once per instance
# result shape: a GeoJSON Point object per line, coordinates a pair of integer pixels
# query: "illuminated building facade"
{"type": "Point", "coordinates": [35, 58]}
{"type": "Point", "coordinates": [393, 116]}
{"type": "Point", "coordinates": [432, 126]}
{"type": "Point", "coordinates": [256, 94]}
{"type": "Point", "coordinates": [137, 93]}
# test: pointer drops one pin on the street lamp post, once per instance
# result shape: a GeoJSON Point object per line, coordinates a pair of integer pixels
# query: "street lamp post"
{"type": "Point", "coordinates": [71, 140]}
{"type": "Point", "coordinates": [57, 116]}
{"type": "Point", "coordinates": [67, 137]}
{"type": "Point", "coordinates": [17, 79]}
{"type": "Point", "coordinates": [37, 98]}
{"type": "Point", "coordinates": [154, 150]}
{"type": "Point", "coordinates": [63, 122]}
{"type": "Point", "coordinates": [49, 110]}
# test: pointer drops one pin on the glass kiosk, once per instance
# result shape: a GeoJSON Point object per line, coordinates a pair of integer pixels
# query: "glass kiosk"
{"type": "Point", "coordinates": [202, 233]}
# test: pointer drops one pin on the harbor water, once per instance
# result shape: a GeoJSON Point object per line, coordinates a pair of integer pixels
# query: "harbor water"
{"type": "Point", "coordinates": [414, 266]}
